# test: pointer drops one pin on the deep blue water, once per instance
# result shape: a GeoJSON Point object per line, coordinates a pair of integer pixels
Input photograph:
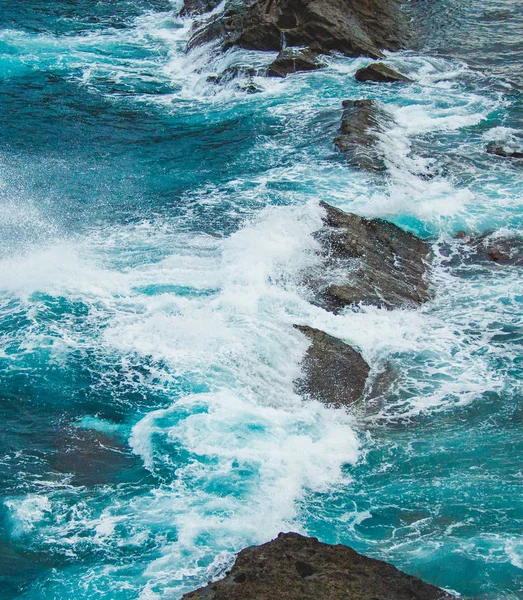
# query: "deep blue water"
{"type": "Point", "coordinates": [154, 229]}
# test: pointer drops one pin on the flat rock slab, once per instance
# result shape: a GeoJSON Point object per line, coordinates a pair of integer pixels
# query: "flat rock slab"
{"type": "Point", "coordinates": [294, 567]}
{"type": "Point", "coordinates": [292, 60]}
{"type": "Point", "coordinates": [380, 73]}
{"type": "Point", "coordinates": [374, 262]}
{"type": "Point", "coordinates": [334, 372]}
{"type": "Point", "coordinates": [362, 122]}
{"type": "Point", "coordinates": [352, 27]}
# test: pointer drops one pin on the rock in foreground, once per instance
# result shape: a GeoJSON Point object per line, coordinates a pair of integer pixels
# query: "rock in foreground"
{"type": "Point", "coordinates": [352, 27]}
{"type": "Point", "coordinates": [293, 567]}
{"type": "Point", "coordinates": [292, 60]}
{"type": "Point", "coordinates": [334, 372]}
{"type": "Point", "coordinates": [361, 123]}
{"type": "Point", "coordinates": [381, 73]}
{"type": "Point", "coordinates": [375, 262]}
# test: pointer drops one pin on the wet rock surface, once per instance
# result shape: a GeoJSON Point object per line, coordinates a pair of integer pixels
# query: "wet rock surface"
{"type": "Point", "coordinates": [490, 248]}
{"type": "Point", "coordinates": [352, 27]}
{"type": "Point", "coordinates": [361, 123]}
{"type": "Point", "coordinates": [197, 7]}
{"type": "Point", "coordinates": [334, 372]}
{"type": "Point", "coordinates": [292, 60]}
{"type": "Point", "coordinates": [381, 73]}
{"type": "Point", "coordinates": [294, 567]}
{"type": "Point", "coordinates": [374, 262]}
{"type": "Point", "coordinates": [499, 149]}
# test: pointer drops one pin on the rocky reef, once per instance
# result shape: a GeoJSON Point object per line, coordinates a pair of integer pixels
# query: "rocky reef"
{"type": "Point", "coordinates": [294, 567]}
{"type": "Point", "coordinates": [352, 27]}
{"type": "Point", "coordinates": [374, 262]}
{"type": "Point", "coordinates": [333, 371]}
{"type": "Point", "coordinates": [361, 123]}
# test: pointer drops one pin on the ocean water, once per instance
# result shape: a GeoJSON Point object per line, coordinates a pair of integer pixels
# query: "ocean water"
{"type": "Point", "coordinates": [154, 232]}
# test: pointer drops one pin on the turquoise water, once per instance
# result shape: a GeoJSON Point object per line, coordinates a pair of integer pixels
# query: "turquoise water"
{"type": "Point", "coordinates": [154, 229]}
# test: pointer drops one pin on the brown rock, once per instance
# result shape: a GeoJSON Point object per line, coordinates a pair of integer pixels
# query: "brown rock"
{"type": "Point", "coordinates": [292, 60]}
{"type": "Point", "coordinates": [352, 27]}
{"type": "Point", "coordinates": [377, 263]}
{"type": "Point", "coordinates": [334, 372]}
{"type": "Point", "coordinates": [294, 567]}
{"type": "Point", "coordinates": [380, 72]}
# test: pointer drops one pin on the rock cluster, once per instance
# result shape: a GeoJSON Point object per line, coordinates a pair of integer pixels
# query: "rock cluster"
{"type": "Point", "coordinates": [294, 567]}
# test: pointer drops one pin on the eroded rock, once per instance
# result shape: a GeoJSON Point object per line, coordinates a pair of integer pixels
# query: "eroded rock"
{"type": "Point", "coordinates": [373, 261]}
{"type": "Point", "coordinates": [292, 60]}
{"type": "Point", "coordinates": [333, 371]}
{"type": "Point", "coordinates": [352, 27]}
{"type": "Point", "coordinates": [361, 123]}
{"type": "Point", "coordinates": [294, 567]}
{"type": "Point", "coordinates": [380, 72]}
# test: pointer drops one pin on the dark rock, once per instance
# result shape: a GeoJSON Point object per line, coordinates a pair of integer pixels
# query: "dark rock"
{"type": "Point", "coordinates": [334, 372]}
{"type": "Point", "coordinates": [380, 72]}
{"type": "Point", "coordinates": [198, 7]}
{"type": "Point", "coordinates": [352, 27]}
{"type": "Point", "coordinates": [376, 263]}
{"type": "Point", "coordinates": [294, 567]}
{"type": "Point", "coordinates": [499, 150]}
{"type": "Point", "coordinates": [489, 247]}
{"type": "Point", "coordinates": [292, 60]}
{"type": "Point", "coordinates": [361, 123]}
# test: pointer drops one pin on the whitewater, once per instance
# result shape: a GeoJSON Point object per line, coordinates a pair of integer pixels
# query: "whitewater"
{"type": "Point", "coordinates": [155, 229]}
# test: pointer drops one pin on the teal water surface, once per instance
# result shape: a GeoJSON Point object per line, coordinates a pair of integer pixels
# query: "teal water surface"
{"type": "Point", "coordinates": [154, 232]}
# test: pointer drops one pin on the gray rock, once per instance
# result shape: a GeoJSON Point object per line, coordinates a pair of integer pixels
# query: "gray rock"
{"type": "Point", "coordinates": [294, 567]}
{"type": "Point", "coordinates": [352, 27]}
{"type": "Point", "coordinates": [376, 263]}
{"type": "Point", "coordinates": [292, 60]}
{"type": "Point", "coordinates": [361, 123]}
{"type": "Point", "coordinates": [380, 72]}
{"type": "Point", "coordinates": [334, 372]}
{"type": "Point", "coordinates": [192, 8]}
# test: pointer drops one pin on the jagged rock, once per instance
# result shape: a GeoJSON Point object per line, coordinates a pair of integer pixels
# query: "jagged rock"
{"type": "Point", "coordinates": [361, 123]}
{"type": "Point", "coordinates": [294, 567]}
{"type": "Point", "coordinates": [334, 372]}
{"type": "Point", "coordinates": [192, 8]}
{"type": "Point", "coordinates": [292, 60]}
{"type": "Point", "coordinates": [489, 247]}
{"type": "Point", "coordinates": [498, 149]}
{"type": "Point", "coordinates": [352, 27]}
{"type": "Point", "coordinates": [380, 72]}
{"type": "Point", "coordinates": [374, 261]}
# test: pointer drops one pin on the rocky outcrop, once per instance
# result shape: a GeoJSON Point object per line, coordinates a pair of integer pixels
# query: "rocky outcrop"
{"type": "Point", "coordinates": [361, 123]}
{"type": "Point", "coordinates": [352, 27]}
{"type": "Point", "coordinates": [381, 73]}
{"type": "Point", "coordinates": [334, 372]}
{"type": "Point", "coordinates": [373, 261]}
{"type": "Point", "coordinates": [489, 247]}
{"type": "Point", "coordinates": [499, 149]}
{"type": "Point", "coordinates": [294, 567]}
{"type": "Point", "coordinates": [192, 8]}
{"type": "Point", "coordinates": [292, 60]}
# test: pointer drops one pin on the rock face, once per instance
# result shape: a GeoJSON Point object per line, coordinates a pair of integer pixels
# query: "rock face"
{"type": "Point", "coordinates": [498, 149]}
{"type": "Point", "coordinates": [377, 263]}
{"type": "Point", "coordinates": [292, 60]}
{"type": "Point", "coordinates": [334, 372]}
{"type": "Point", "coordinates": [352, 27]}
{"type": "Point", "coordinates": [361, 123]}
{"type": "Point", "coordinates": [380, 72]}
{"type": "Point", "coordinates": [293, 567]}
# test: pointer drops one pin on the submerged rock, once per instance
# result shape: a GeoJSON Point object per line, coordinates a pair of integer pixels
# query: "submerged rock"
{"type": "Point", "coordinates": [374, 261]}
{"type": "Point", "coordinates": [292, 60]}
{"type": "Point", "coordinates": [334, 372]}
{"type": "Point", "coordinates": [498, 149]}
{"type": "Point", "coordinates": [380, 72]}
{"type": "Point", "coordinates": [490, 247]}
{"type": "Point", "coordinates": [352, 27]}
{"type": "Point", "coordinates": [294, 567]}
{"type": "Point", "coordinates": [361, 123]}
